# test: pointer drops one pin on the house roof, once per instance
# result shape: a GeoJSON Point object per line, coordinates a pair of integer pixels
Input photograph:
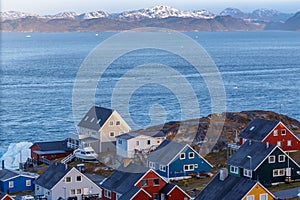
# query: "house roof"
{"type": "Point", "coordinates": [60, 146]}
{"type": "Point", "coordinates": [123, 179]}
{"type": "Point", "coordinates": [128, 195]}
{"type": "Point", "coordinates": [55, 172]}
{"type": "Point", "coordinates": [95, 118]}
{"type": "Point", "coordinates": [258, 129]}
{"type": "Point", "coordinates": [165, 152]}
{"type": "Point", "coordinates": [167, 188]}
{"type": "Point", "coordinates": [96, 178]}
{"type": "Point", "coordinates": [2, 195]}
{"type": "Point", "coordinates": [257, 150]}
{"type": "Point", "coordinates": [233, 188]}
{"type": "Point", "coordinates": [133, 134]}
{"type": "Point", "coordinates": [6, 174]}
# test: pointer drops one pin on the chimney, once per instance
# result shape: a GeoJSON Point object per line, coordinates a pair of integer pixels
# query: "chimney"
{"type": "Point", "coordinates": [2, 164]}
{"type": "Point", "coordinates": [267, 145]}
{"type": "Point", "coordinates": [223, 174]}
{"type": "Point", "coordinates": [66, 166]}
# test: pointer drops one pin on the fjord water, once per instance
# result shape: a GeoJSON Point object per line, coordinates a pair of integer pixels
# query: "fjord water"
{"type": "Point", "coordinates": [260, 70]}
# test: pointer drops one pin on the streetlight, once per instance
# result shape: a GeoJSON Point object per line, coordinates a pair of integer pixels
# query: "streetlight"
{"type": "Point", "coordinates": [250, 164]}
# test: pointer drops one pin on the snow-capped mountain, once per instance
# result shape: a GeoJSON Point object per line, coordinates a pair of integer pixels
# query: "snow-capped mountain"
{"type": "Point", "coordinates": [93, 15]}
{"type": "Point", "coordinates": [258, 14]}
{"type": "Point", "coordinates": [16, 15]}
{"type": "Point", "coordinates": [62, 15]}
{"type": "Point", "coordinates": [161, 12]}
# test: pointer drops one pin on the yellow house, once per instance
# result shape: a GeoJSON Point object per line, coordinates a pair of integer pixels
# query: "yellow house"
{"type": "Point", "coordinates": [99, 128]}
{"type": "Point", "coordinates": [229, 187]}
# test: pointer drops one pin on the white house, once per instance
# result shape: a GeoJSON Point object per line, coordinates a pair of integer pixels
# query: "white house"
{"type": "Point", "coordinates": [98, 129]}
{"type": "Point", "coordinates": [130, 143]}
{"type": "Point", "coordinates": [62, 181]}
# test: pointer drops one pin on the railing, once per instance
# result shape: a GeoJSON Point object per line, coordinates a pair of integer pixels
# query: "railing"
{"type": "Point", "coordinates": [68, 159]}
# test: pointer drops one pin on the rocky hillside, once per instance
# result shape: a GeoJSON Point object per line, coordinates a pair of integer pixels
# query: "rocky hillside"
{"type": "Point", "coordinates": [194, 131]}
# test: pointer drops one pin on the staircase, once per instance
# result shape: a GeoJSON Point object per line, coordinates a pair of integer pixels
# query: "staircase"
{"type": "Point", "coordinates": [68, 159]}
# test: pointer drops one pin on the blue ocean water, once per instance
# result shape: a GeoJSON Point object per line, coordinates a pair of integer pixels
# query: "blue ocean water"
{"type": "Point", "coordinates": [260, 70]}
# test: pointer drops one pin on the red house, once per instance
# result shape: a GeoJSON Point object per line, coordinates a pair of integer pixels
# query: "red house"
{"type": "Point", "coordinates": [139, 183]}
{"type": "Point", "coordinates": [272, 132]}
{"type": "Point", "coordinates": [4, 196]}
{"type": "Point", "coordinates": [50, 150]}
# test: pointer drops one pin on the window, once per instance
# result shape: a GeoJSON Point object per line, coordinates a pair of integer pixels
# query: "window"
{"type": "Point", "coordinates": [144, 183]}
{"type": "Point", "coordinates": [118, 123]}
{"type": "Point", "coordinates": [119, 141]}
{"type": "Point", "coordinates": [191, 155]}
{"type": "Point", "coordinates": [283, 132]}
{"type": "Point", "coordinates": [72, 191]}
{"type": "Point", "coordinates": [155, 196]}
{"type": "Point", "coordinates": [278, 172]}
{"type": "Point", "coordinates": [196, 165]}
{"type": "Point", "coordinates": [289, 143]}
{"type": "Point", "coordinates": [137, 143]}
{"type": "Point", "coordinates": [37, 187]}
{"type": "Point", "coordinates": [156, 181]}
{"type": "Point", "coordinates": [281, 158]}
{"type": "Point", "coordinates": [162, 168]}
{"type": "Point", "coordinates": [111, 123]}
{"type": "Point", "coordinates": [112, 134]}
{"type": "Point", "coordinates": [78, 178]}
{"type": "Point", "coordinates": [68, 179]}
{"type": "Point", "coordinates": [188, 167]}
{"type": "Point", "coordinates": [263, 197]}
{"type": "Point", "coordinates": [10, 184]}
{"type": "Point", "coordinates": [250, 197]}
{"type": "Point", "coordinates": [271, 159]}
{"type": "Point", "coordinates": [234, 169]}
{"type": "Point", "coordinates": [107, 193]}
{"type": "Point", "coordinates": [182, 156]}
{"type": "Point", "coordinates": [28, 182]}
{"type": "Point", "coordinates": [279, 143]}
{"type": "Point", "coordinates": [148, 142]}
{"type": "Point", "coordinates": [78, 191]}
{"type": "Point", "coordinates": [275, 132]}
{"type": "Point", "coordinates": [152, 165]}
{"type": "Point", "coordinates": [247, 173]}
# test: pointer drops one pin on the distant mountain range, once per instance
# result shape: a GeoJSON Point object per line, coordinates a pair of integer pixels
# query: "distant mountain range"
{"type": "Point", "coordinates": [158, 16]}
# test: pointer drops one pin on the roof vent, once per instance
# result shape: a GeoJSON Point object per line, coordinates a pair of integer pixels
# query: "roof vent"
{"type": "Point", "coordinates": [267, 144]}
{"type": "Point", "coordinates": [223, 174]}
{"type": "Point", "coordinates": [252, 128]}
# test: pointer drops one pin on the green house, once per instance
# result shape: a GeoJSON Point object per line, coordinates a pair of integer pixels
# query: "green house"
{"type": "Point", "coordinates": [264, 162]}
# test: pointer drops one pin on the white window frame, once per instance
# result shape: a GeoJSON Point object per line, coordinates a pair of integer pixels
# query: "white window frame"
{"type": "Point", "coordinates": [110, 133]}
{"type": "Point", "coordinates": [263, 196]}
{"type": "Point", "coordinates": [278, 172]}
{"type": "Point", "coordinates": [271, 157]}
{"type": "Point", "coordinates": [146, 181]}
{"type": "Point", "coordinates": [234, 169]}
{"type": "Point", "coordinates": [80, 179]}
{"type": "Point", "coordinates": [107, 193]}
{"type": "Point", "coordinates": [11, 184]}
{"type": "Point", "coordinates": [196, 166]}
{"type": "Point", "coordinates": [189, 168]}
{"type": "Point", "coordinates": [156, 195]}
{"type": "Point", "coordinates": [283, 131]}
{"type": "Point", "coordinates": [78, 191]}
{"type": "Point", "coordinates": [158, 182]}
{"type": "Point", "coordinates": [193, 155]}
{"type": "Point", "coordinates": [275, 133]}
{"type": "Point", "coordinates": [151, 165]}
{"type": "Point", "coordinates": [279, 143]}
{"type": "Point", "coordinates": [118, 123]}
{"type": "Point", "coordinates": [28, 182]}
{"type": "Point", "coordinates": [250, 197]}
{"type": "Point", "coordinates": [289, 143]}
{"type": "Point", "coordinates": [162, 168]}
{"type": "Point", "coordinates": [183, 157]}
{"type": "Point", "coordinates": [67, 179]}
{"type": "Point", "coordinates": [280, 158]}
{"type": "Point", "coordinates": [72, 192]}
{"type": "Point", "coordinates": [111, 123]}
{"type": "Point", "coordinates": [247, 173]}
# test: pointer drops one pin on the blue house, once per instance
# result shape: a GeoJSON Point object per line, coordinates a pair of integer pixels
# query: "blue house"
{"type": "Point", "coordinates": [174, 160]}
{"type": "Point", "coordinates": [15, 181]}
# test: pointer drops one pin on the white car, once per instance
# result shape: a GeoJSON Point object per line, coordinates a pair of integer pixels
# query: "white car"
{"type": "Point", "coordinates": [27, 197]}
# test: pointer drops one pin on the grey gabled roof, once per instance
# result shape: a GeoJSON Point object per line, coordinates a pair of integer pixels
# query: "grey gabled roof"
{"type": "Point", "coordinates": [96, 178]}
{"type": "Point", "coordinates": [133, 134]}
{"type": "Point", "coordinates": [257, 150]}
{"type": "Point", "coordinates": [258, 129]}
{"type": "Point", "coordinates": [55, 172]}
{"type": "Point", "coordinates": [233, 188]}
{"type": "Point", "coordinates": [51, 146]}
{"type": "Point", "coordinates": [7, 174]}
{"type": "Point", "coordinates": [165, 152]}
{"type": "Point", "coordinates": [95, 118]}
{"type": "Point", "coordinates": [123, 179]}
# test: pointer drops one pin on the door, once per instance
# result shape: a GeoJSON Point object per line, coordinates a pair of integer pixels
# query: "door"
{"type": "Point", "coordinates": [85, 191]}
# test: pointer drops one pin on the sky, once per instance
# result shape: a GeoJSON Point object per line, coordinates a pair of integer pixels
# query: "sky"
{"type": "Point", "coordinates": [113, 6]}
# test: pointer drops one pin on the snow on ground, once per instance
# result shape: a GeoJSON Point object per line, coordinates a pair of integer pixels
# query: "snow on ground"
{"type": "Point", "coordinates": [14, 153]}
